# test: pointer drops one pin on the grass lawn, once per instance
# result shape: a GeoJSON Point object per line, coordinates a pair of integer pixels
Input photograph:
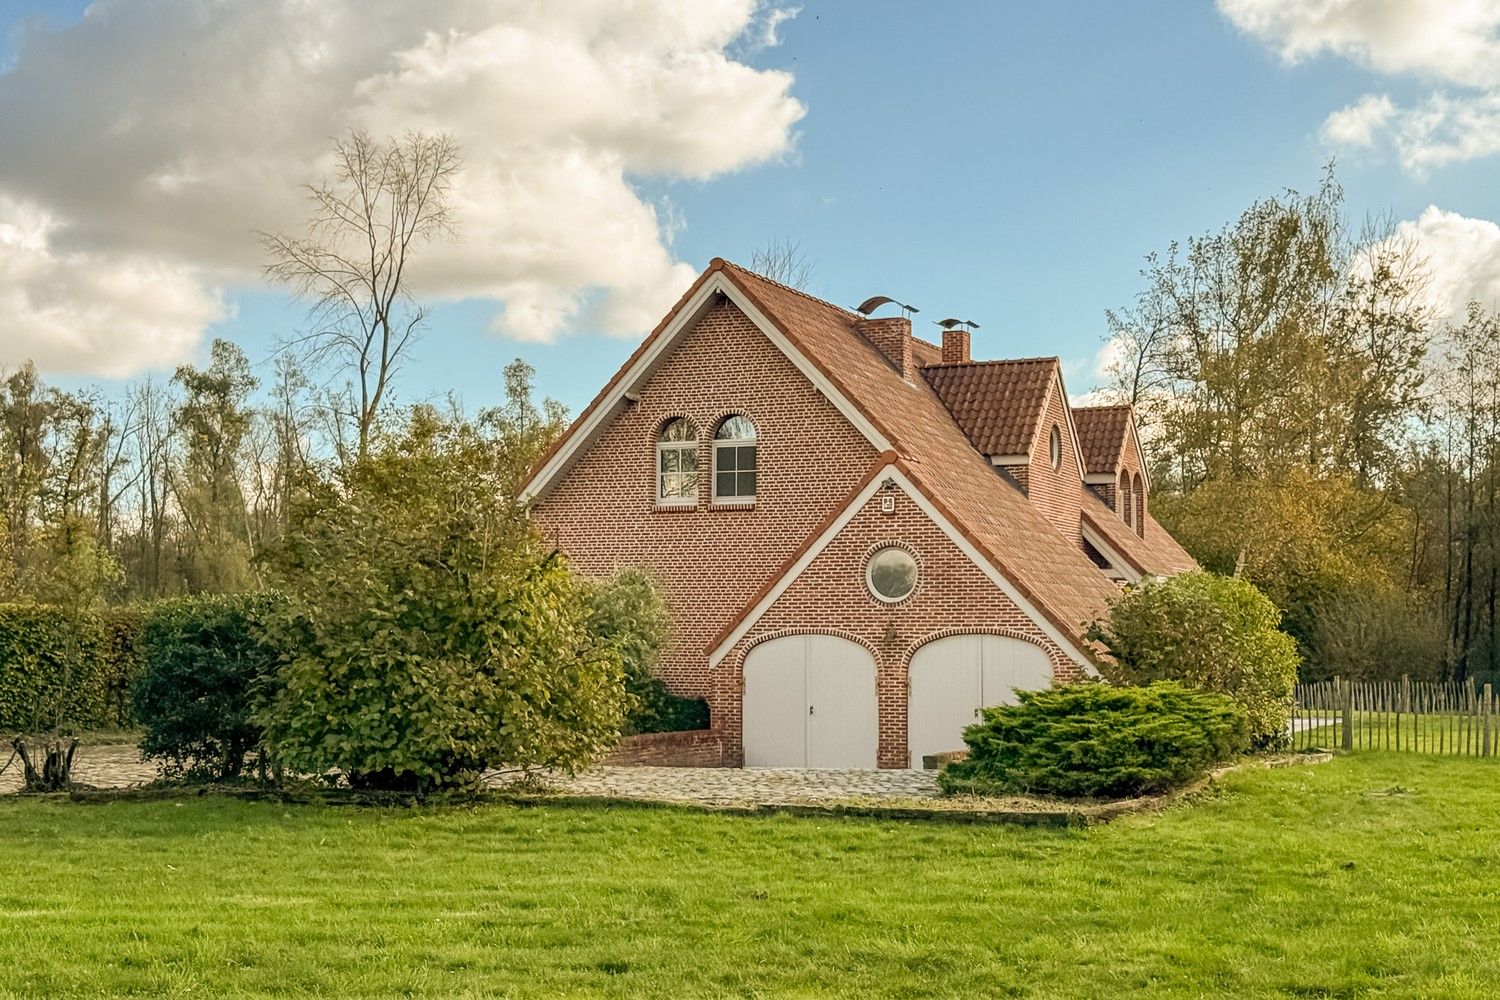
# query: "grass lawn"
{"type": "Point", "coordinates": [1377, 875]}
{"type": "Point", "coordinates": [1437, 733]}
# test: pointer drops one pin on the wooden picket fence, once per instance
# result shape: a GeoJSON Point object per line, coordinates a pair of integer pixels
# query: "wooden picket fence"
{"type": "Point", "coordinates": [1444, 717]}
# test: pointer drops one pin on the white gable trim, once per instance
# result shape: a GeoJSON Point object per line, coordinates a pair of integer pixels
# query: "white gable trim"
{"type": "Point", "coordinates": [627, 388]}
{"type": "Point", "coordinates": [892, 474]}
{"type": "Point", "coordinates": [1108, 551]}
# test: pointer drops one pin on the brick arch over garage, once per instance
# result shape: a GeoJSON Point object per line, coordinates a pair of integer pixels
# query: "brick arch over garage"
{"type": "Point", "coordinates": [1060, 661]}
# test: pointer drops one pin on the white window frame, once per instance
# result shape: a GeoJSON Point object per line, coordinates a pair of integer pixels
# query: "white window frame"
{"type": "Point", "coordinates": [688, 447]}
{"type": "Point", "coordinates": [717, 443]}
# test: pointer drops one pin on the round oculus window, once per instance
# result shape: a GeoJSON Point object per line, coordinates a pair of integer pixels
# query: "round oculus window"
{"type": "Point", "coordinates": [892, 574]}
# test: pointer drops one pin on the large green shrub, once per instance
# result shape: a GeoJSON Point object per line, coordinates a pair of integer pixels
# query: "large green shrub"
{"type": "Point", "coordinates": [428, 634]}
{"type": "Point", "coordinates": [1098, 741]}
{"type": "Point", "coordinates": [627, 611]}
{"type": "Point", "coordinates": [1213, 633]}
{"type": "Point", "coordinates": [205, 673]}
{"type": "Point", "coordinates": [56, 672]}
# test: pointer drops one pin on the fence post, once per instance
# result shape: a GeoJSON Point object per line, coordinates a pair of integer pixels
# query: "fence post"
{"type": "Point", "coordinates": [1403, 704]}
{"type": "Point", "coordinates": [1349, 714]}
{"type": "Point", "coordinates": [1485, 710]}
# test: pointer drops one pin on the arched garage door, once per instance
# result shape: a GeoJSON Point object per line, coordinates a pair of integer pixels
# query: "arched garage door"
{"type": "Point", "coordinates": [954, 677]}
{"type": "Point", "coordinates": [810, 702]}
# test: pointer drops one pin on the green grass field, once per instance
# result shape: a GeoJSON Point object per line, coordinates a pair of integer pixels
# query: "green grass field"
{"type": "Point", "coordinates": [1377, 875]}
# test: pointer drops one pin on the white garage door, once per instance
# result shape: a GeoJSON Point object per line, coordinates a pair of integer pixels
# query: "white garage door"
{"type": "Point", "coordinates": [954, 677]}
{"type": "Point", "coordinates": [810, 702]}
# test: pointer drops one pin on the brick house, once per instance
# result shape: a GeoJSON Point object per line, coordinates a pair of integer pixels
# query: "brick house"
{"type": "Point", "coordinates": [862, 536]}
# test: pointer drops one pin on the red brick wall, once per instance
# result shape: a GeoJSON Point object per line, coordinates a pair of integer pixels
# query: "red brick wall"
{"type": "Point", "coordinates": [952, 595]}
{"type": "Point", "coordinates": [1130, 463]}
{"type": "Point", "coordinates": [691, 748]}
{"type": "Point", "coordinates": [710, 559]}
{"type": "Point", "coordinates": [1056, 492]}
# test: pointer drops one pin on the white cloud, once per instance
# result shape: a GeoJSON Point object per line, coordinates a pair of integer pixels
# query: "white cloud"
{"type": "Point", "coordinates": [1357, 124]}
{"type": "Point", "coordinates": [154, 140]}
{"type": "Point", "coordinates": [1453, 44]}
{"type": "Point", "coordinates": [76, 311]}
{"type": "Point", "coordinates": [769, 20]}
{"type": "Point", "coordinates": [1463, 259]}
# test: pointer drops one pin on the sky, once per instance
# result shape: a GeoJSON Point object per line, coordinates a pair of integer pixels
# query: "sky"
{"type": "Point", "coordinates": [1006, 163]}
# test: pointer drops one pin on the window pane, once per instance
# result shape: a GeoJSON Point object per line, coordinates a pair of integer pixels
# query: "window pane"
{"type": "Point", "coordinates": [724, 484]}
{"type": "Point", "coordinates": [745, 457]}
{"type": "Point", "coordinates": [689, 484]}
{"type": "Point", "coordinates": [669, 460]}
{"type": "Point", "coordinates": [736, 428]}
{"type": "Point", "coordinates": [689, 459]}
{"type": "Point", "coordinates": [746, 482]}
{"type": "Point", "coordinates": [724, 459]}
{"type": "Point", "coordinates": [892, 573]}
{"type": "Point", "coordinates": [680, 429]}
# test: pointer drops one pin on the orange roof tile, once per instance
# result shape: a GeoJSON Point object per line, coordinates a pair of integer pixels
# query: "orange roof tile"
{"type": "Point", "coordinates": [1102, 433]}
{"type": "Point", "coordinates": [998, 404]}
{"type": "Point", "coordinates": [1156, 553]}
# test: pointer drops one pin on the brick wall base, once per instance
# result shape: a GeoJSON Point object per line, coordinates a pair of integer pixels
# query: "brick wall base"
{"type": "Point", "coordinates": [692, 748]}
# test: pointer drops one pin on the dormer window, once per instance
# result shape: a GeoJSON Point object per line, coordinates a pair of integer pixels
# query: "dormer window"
{"type": "Point", "coordinates": [734, 460]}
{"type": "Point", "coordinates": [677, 463]}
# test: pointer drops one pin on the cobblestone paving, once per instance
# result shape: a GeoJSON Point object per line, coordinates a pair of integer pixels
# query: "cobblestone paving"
{"type": "Point", "coordinates": [750, 786]}
{"type": "Point", "coordinates": [119, 766]}
{"type": "Point", "coordinates": [111, 765]}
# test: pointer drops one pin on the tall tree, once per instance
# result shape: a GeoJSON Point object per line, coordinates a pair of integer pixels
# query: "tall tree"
{"type": "Point", "coordinates": [214, 420]}
{"type": "Point", "coordinates": [352, 263]}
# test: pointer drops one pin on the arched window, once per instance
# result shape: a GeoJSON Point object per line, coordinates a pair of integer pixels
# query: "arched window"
{"type": "Point", "coordinates": [1054, 447]}
{"type": "Point", "coordinates": [677, 462]}
{"type": "Point", "coordinates": [1122, 502]}
{"type": "Point", "coordinates": [1140, 506]}
{"type": "Point", "coordinates": [734, 459]}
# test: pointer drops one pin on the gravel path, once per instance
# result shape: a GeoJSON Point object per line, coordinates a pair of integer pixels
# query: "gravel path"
{"type": "Point", "coordinates": [119, 765]}
{"type": "Point", "coordinates": [108, 765]}
{"type": "Point", "coordinates": [750, 786]}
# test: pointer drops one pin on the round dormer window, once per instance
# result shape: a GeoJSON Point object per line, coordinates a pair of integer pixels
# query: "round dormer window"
{"type": "Point", "coordinates": [891, 574]}
{"type": "Point", "coordinates": [1054, 447]}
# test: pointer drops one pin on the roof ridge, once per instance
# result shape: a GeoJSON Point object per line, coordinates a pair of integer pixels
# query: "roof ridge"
{"type": "Point", "coordinates": [1105, 406]}
{"type": "Point", "coordinates": [997, 361]}
{"type": "Point", "coordinates": [850, 314]}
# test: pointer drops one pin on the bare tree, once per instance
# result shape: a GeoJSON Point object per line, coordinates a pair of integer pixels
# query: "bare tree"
{"type": "Point", "coordinates": [783, 260]}
{"type": "Point", "coordinates": [386, 198]}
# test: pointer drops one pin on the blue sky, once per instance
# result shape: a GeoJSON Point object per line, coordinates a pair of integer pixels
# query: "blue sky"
{"type": "Point", "coordinates": [1006, 163]}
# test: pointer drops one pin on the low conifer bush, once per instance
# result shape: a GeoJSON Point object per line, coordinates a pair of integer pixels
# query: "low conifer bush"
{"type": "Point", "coordinates": [1098, 741]}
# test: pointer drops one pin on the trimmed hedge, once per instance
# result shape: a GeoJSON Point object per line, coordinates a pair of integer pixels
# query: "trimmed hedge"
{"type": "Point", "coordinates": [62, 669]}
{"type": "Point", "coordinates": [205, 673]}
{"type": "Point", "coordinates": [1096, 740]}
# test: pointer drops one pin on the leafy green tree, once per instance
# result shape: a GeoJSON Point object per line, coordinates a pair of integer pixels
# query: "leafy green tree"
{"type": "Point", "coordinates": [213, 420]}
{"type": "Point", "coordinates": [628, 612]}
{"type": "Point", "coordinates": [428, 634]}
{"type": "Point", "coordinates": [1212, 633]}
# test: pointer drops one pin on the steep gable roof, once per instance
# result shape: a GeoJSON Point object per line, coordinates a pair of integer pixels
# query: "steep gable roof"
{"type": "Point", "coordinates": [999, 404]}
{"type": "Point", "coordinates": [1101, 436]}
{"type": "Point", "coordinates": [909, 420]}
{"type": "Point", "coordinates": [1050, 571]}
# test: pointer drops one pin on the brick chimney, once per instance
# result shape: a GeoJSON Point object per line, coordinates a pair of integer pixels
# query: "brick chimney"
{"type": "Point", "coordinates": [891, 335]}
{"type": "Point", "coordinates": [956, 347]}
